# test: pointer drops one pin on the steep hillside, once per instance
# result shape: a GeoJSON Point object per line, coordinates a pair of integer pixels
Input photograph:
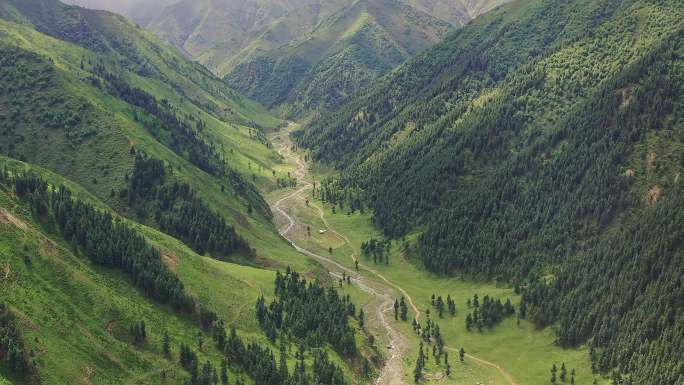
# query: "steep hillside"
{"type": "Point", "coordinates": [456, 12]}
{"type": "Point", "coordinates": [91, 91]}
{"type": "Point", "coordinates": [117, 256]}
{"type": "Point", "coordinates": [89, 297]}
{"type": "Point", "coordinates": [74, 317]}
{"type": "Point", "coordinates": [541, 144]}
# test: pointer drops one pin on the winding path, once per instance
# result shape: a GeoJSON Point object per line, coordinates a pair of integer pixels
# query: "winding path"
{"type": "Point", "coordinates": [392, 372]}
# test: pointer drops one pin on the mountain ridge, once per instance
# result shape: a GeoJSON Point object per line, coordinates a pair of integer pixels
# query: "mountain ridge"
{"type": "Point", "coordinates": [511, 151]}
{"type": "Point", "coordinates": [234, 38]}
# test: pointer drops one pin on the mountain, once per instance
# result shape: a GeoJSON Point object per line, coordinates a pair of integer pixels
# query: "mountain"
{"type": "Point", "coordinates": [285, 53]}
{"type": "Point", "coordinates": [140, 10]}
{"type": "Point", "coordinates": [134, 242]}
{"type": "Point", "coordinates": [343, 53]}
{"type": "Point", "coordinates": [541, 145]}
{"type": "Point", "coordinates": [70, 315]}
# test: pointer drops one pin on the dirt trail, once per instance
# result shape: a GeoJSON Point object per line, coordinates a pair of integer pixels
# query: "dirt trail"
{"type": "Point", "coordinates": [392, 372]}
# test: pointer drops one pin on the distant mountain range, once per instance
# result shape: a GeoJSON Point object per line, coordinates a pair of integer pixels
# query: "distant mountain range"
{"type": "Point", "coordinates": [299, 56]}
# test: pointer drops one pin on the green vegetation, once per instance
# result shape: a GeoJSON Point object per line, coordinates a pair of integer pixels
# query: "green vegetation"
{"type": "Point", "coordinates": [42, 244]}
{"type": "Point", "coordinates": [105, 242]}
{"type": "Point", "coordinates": [154, 147]}
{"type": "Point", "coordinates": [308, 312]}
{"type": "Point", "coordinates": [178, 211]}
{"type": "Point", "coordinates": [529, 147]}
{"type": "Point", "coordinates": [521, 349]}
{"type": "Point", "coordinates": [303, 56]}
{"type": "Point", "coordinates": [531, 163]}
{"type": "Point", "coordinates": [338, 56]}
{"type": "Point", "coordinates": [12, 349]}
{"type": "Point", "coordinates": [59, 112]}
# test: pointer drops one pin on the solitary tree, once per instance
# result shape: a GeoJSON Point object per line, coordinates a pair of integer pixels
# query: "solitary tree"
{"type": "Point", "coordinates": [167, 345]}
{"type": "Point", "coordinates": [403, 309]}
{"type": "Point", "coordinates": [420, 363]}
{"type": "Point", "coordinates": [224, 372]}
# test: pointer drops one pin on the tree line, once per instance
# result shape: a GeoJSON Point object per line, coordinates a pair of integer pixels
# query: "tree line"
{"type": "Point", "coordinates": [177, 210]}
{"type": "Point", "coordinates": [181, 134]}
{"type": "Point", "coordinates": [109, 242]}
{"type": "Point", "coordinates": [185, 134]}
{"type": "Point", "coordinates": [105, 240]}
{"type": "Point", "coordinates": [308, 312]}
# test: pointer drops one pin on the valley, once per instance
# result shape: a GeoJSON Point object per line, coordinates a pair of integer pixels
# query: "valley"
{"type": "Point", "coordinates": [338, 250]}
{"type": "Point", "coordinates": [343, 192]}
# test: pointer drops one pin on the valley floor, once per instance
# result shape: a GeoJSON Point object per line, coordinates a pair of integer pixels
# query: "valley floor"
{"type": "Point", "coordinates": [511, 353]}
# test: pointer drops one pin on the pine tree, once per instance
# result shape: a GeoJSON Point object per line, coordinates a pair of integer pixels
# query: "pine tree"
{"type": "Point", "coordinates": [282, 367]}
{"type": "Point", "coordinates": [224, 372]}
{"type": "Point", "coordinates": [420, 362]}
{"type": "Point", "coordinates": [403, 309]}
{"type": "Point", "coordinates": [166, 345]}
{"type": "Point", "coordinates": [451, 305]}
{"type": "Point", "coordinates": [439, 304]}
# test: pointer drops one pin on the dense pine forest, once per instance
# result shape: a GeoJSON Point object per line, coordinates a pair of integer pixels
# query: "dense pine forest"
{"type": "Point", "coordinates": [177, 210]}
{"type": "Point", "coordinates": [105, 241]}
{"type": "Point", "coordinates": [503, 206]}
{"type": "Point", "coordinates": [542, 148]}
{"type": "Point", "coordinates": [261, 365]}
{"type": "Point", "coordinates": [309, 312]}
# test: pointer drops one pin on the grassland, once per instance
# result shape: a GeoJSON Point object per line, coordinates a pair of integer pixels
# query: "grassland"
{"type": "Point", "coordinates": [98, 162]}
{"type": "Point", "coordinates": [76, 316]}
{"type": "Point", "coordinates": [521, 350]}
{"type": "Point", "coordinates": [526, 353]}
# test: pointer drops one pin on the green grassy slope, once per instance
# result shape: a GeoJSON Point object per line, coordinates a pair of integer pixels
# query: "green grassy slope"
{"type": "Point", "coordinates": [75, 316]}
{"type": "Point", "coordinates": [83, 93]}
{"type": "Point", "coordinates": [55, 115]}
{"type": "Point", "coordinates": [542, 145]}
{"type": "Point", "coordinates": [523, 351]}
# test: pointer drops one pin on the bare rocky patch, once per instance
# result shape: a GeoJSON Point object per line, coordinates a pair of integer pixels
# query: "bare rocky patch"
{"type": "Point", "coordinates": [6, 218]}
{"type": "Point", "coordinates": [170, 260]}
{"type": "Point", "coordinates": [653, 195]}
